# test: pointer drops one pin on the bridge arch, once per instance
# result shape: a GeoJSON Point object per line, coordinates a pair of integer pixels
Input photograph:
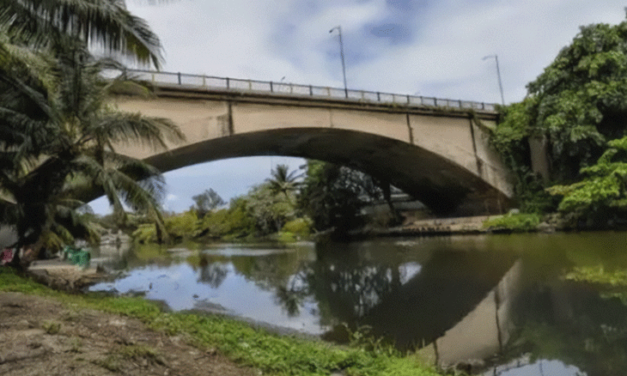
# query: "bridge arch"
{"type": "Point", "coordinates": [439, 156]}
{"type": "Point", "coordinates": [439, 183]}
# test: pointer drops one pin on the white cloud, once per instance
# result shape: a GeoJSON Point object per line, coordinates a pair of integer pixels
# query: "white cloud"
{"type": "Point", "coordinates": [270, 39]}
{"type": "Point", "coordinates": [440, 55]}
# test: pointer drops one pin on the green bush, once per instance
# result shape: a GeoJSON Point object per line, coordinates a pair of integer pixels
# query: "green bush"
{"type": "Point", "coordinates": [514, 222]}
{"type": "Point", "coordinates": [301, 227]}
{"type": "Point", "coordinates": [184, 225]}
{"type": "Point", "coordinates": [602, 194]}
{"type": "Point", "coordinates": [233, 222]}
{"type": "Point", "coordinates": [146, 233]}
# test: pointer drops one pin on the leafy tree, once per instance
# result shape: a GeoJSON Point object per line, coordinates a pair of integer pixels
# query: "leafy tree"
{"type": "Point", "coordinates": [576, 106]}
{"type": "Point", "coordinates": [299, 227]}
{"type": "Point", "coordinates": [602, 194]}
{"type": "Point", "coordinates": [580, 101]}
{"type": "Point", "coordinates": [269, 209]}
{"type": "Point", "coordinates": [333, 195]}
{"type": "Point", "coordinates": [206, 202]}
{"type": "Point", "coordinates": [145, 233]}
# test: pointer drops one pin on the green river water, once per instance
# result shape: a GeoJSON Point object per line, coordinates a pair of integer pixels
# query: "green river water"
{"type": "Point", "coordinates": [512, 305]}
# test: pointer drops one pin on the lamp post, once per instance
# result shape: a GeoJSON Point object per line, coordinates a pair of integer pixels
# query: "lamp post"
{"type": "Point", "coordinates": [498, 73]}
{"type": "Point", "coordinates": [281, 84]}
{"type": "Point", "coordinates": [339, 29]}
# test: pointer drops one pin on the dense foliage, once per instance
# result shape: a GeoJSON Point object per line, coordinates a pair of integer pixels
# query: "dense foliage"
{"type": "Point", "coordinates": [263, 211]}
{"type": "Point", "coordinates": [334, 195]}
{"type": "Point", "coordinates": [286, 207]}
{"type": "Point", "coordinates": [576, 107]}
{"type": "Point", "coordinates": [603, 191]}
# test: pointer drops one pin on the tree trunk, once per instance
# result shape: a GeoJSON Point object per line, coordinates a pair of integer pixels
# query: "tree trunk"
{"type": "Point", "coordinates": [159, 234]}
{"type": "Point", "coordinates": [387, 195]}
{"type": "Point", "coordinates": [16, 261]}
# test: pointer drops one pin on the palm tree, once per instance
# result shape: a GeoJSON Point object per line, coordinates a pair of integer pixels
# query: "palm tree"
{"type": "Point", "coordinates": [101, 24]}
{"type": "Point", "coordinates": [283, 181]}
{"type": "Point", "coordinates": [58, 134]}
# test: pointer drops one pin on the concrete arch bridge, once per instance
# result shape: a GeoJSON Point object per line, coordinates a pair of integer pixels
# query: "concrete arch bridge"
{"type": "Point", "coordinates": [435, 150]}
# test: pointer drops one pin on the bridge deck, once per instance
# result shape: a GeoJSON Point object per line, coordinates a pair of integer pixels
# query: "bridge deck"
{"type": "Point", "coordinates": [297, 90]}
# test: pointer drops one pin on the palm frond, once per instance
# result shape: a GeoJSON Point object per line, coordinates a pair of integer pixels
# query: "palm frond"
{"type": "Point", "coordinates": [126, 128]}
{"type": "Point", "coordinates": [101, 23]}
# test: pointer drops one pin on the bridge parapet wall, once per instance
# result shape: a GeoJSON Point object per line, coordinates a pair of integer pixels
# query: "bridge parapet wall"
{"type": "Point", "coordinates": [213, 83]}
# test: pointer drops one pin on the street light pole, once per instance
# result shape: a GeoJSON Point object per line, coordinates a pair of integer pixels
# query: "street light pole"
{"type": "Point", "coordinates": [498, 73]}
{"type": "Point", "coordinates": [339, 29]}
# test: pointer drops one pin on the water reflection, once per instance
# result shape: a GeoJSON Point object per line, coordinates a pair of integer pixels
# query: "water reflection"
{"type": "Point", "coordinates": [582, 323]}
{"type": "Point", "coordinates": [517, 305]}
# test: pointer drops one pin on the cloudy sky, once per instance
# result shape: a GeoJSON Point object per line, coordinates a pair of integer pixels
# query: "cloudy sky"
{"type": "Point", "coordinates": [425, 47]}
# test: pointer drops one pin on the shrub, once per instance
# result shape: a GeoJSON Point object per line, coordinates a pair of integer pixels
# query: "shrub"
{"type": "Point", "coordinates": [514, 222]}
{"type": "Point", "coordinates": [300, 227]}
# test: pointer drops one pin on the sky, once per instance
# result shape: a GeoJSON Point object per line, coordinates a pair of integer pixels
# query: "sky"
{"type": "Point", "coordinates": [424, 47]}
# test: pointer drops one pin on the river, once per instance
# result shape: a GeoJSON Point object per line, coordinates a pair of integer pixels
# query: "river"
{"type": "Point", "coordinates": [511, 305]}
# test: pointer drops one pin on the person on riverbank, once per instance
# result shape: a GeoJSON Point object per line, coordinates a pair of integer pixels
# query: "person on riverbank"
{"type": "Point", "coordinates": [6, 256]}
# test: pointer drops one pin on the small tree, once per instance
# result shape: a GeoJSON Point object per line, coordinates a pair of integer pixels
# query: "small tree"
{"type": "Point", "coordinates": [206, 202]}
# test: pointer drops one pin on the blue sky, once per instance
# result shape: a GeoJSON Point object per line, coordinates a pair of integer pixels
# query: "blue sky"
{"type": "Point", "coordinates": [433, 48]}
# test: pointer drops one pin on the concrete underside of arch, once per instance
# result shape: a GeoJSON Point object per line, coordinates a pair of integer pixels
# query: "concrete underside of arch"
{"type": "Point", "coordinates": [444, 187]}
{"type": "Point", "coordinates": [440, 158]}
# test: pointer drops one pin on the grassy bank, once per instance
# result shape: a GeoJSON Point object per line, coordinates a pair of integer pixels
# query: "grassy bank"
{"type": "Point", "coordinates": [270, 353]}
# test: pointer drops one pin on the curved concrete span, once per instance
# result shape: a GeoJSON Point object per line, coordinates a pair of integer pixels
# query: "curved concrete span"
{"type": "Point", "coordinates": [439, 156]}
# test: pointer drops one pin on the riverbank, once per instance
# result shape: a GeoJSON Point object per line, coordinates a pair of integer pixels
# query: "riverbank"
{"type": "Point", "coordinates": [62, 275]}
{"type": "Point", "coordinates": [507, 223]}
{"type": "Point", "coordinates": [43, 336]}
{"type": "Point", "coordinates": [97, 334]}
{"type": "Point", "coordinates": [435, 226]}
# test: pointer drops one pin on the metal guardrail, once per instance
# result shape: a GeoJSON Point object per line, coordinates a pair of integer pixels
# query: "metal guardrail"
{"type": "Point", "coordinates": [236, 84]}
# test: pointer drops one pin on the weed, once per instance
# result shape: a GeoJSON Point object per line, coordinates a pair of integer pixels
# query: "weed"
{"type": "Point", "coordinates": [110, 363]}
{"type": "Point", "coordinates": [141, 351]}
{"type": "Point", "coordinates": [71, 314]}
{"type": "Point", "coordinates": [51, 327]}
{"type": "Point", "coordinates": [363, 338]}
{"type": "Point", "coordinates": [75, 345]}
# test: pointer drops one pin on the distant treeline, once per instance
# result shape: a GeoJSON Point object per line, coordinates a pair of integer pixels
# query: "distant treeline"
{"type": "Point", "coordinates": [287, 206]}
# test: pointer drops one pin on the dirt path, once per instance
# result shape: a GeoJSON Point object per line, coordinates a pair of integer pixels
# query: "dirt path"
{"type": "Point", "coordinates": [39, 336]}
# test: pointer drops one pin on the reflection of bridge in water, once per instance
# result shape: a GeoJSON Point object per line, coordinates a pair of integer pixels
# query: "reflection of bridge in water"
{"type": "Point", "coordinates": [484, 331]}
{"type": "Point", "coordinates": [457, 306]}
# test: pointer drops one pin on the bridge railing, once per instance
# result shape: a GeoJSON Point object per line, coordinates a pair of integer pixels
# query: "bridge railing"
{"type": "Point", "coordinates": [236, 84]}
